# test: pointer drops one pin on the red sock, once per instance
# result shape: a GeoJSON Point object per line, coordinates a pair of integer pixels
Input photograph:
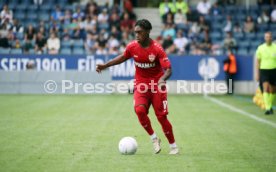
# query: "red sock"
{"type": "Point", "coordinates": [167, 128]}
{"type": "Point", "coordinates": [144, 120]}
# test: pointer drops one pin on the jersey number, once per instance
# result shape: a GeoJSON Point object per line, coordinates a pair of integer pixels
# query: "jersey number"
{"type": "Point", "coordinates": [165, 105]}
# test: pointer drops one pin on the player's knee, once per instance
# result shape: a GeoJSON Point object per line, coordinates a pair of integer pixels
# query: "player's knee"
{"type": "Point", "coordinates": [140, 110]}
{"type": "Point", "coordinates": [163, 120]}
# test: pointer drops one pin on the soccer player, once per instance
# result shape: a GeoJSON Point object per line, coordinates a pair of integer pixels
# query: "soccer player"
{"type": "Point", "coordinates": [266, 71]}
{"type": "Point", "coordinates": [153, 68]}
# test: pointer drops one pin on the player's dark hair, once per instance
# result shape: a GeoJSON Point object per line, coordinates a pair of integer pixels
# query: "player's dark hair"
{"type": "Point", "coordinates": [144, 23]}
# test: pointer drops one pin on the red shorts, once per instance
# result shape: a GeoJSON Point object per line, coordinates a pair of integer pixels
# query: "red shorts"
{"type": "Point", "coordinates": [157, 99]}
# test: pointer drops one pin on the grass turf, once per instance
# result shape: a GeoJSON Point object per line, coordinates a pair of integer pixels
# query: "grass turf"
{"type": "Point", "coordinates": [81, 133]}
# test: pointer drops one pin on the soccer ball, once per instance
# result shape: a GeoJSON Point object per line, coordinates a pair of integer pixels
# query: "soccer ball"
{"type": "Point", "coordinates": [128, 146]}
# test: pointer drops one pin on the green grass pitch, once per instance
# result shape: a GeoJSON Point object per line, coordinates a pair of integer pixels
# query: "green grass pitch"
{"type": "Point", "coordinates": [81, 133]}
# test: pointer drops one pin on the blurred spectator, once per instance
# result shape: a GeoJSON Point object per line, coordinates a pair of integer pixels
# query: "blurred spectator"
{"type": "Point", "coordinates": [91, 9]}
{"type": "Point", "coordinates": [165, 7]}
{"type": "Point", "coordinates": [114, 20]}
{"type": "Point", "coordinates": [53, 44]}
{"type": "Point", "coordinates": [128, 6]}
{"type": "Point", "coordinates": [169, 18]}
{"type": "Point", "coordinates": [168, 44]}
{"type": "Point", "coordinates": [103, 19]}
{"type": "Point", "coordinates": [38, 2]}
{"type": "Point", "coordinates": [86, 24]}
{"type": "Point", "coordinates": [90, 43]}
{"type": "Point", "coordinates": [65, 35]}
{"type": "Point", "coordinates": [78, 13]}
{"type": "Point", "coordinates": [17, 44]}
{"type": "Point", "coordinates": [113, 42]}
{"type": "Point", "coordinates": [237, 28]}
{"type": "Point", "coordinates": [229, 42]}
{"type": "Point", "coordinates": [67, 17]}
{"type": "Point", "coordinates": [6, 14]}
{"type": "Point", "coordinates": [180, 18]}
{"type": "Point", "coordinates": [126, 24]}
{"type": "Point", "coordinates": [203, 7]}
{"type": "Point", "coordinates": [194, 29]}
{"type": "Point", "coordinates": [57, 15]}
{"type": "Point", "coordinates": [5, 27]}
{"type": "Point", "coordinates": [182, 6]}
{"type": "Point", "coordinates": [249, 25]}
{"type": "Point", "coordinates": [101, 41]}
{"type": "Point", "coordinates": [205, 44]}
{"type": "Point", "coordinates": [180, 42]}
{"type": "Point", "coordinates": [265, 2]}
{"type": "Point", "coordinates": [192, 16]}
{"type": "Point", "coordinates": [4, 42]}
{"type": "Point", "coordinates": [17, 27]}
{"type": "Point", "coordinates": [273, 15]}
{"type": "Point", "coordinates": [126, 38]}
{"type": "Point", "coordinates": [169, 31]}
{"type": "Point", "coordinates": [263, 18]}
{"type": "Point", "coordinates": [114, 31]}
{"type": "Point", "coordinates": [203, 24]}
{"type": "Point", "coordinates": [215, 10]}
{"type": "Point", "coordinates": [30, 33]}
{"type": "Point", "coordinates": [226, 2]}
{"type": "Point", "coordinates": [74, 29]}
{"type": "Point", "coordinates": [40, 44]}
{"type": "Point", "coordinates": [101, 51]}
{"type": "Point", "coordinates": [228, 26]}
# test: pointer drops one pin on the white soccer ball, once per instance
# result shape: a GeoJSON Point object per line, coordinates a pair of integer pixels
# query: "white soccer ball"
{"type": "Point", "coordinates": [128, 146]}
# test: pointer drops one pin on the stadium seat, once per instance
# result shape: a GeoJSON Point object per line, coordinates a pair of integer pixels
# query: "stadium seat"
{"type": "Point", "coordinates": [244, 44]}
{"type": "Point", "coordinates": [250, 36]}
{"type": "Point", "coordinates": [238, 36]}
{"type": "Point", "coordinates": [255, 44]}
{"type": "Point", "coordinates": [66, 51]}
{"type": "Point", "coordinates": [44, 16]}
{"type": "Point", "coordinates": [78, 51]}
{"type": "Point", "coordinates": [215, 36]}
{"type": "Point", "coordinates": [16, 51]}
{"type": "Point", "coordinates": [243, 51]}
{"type": "Point", "coordinates": [78, 43]}
{"type": "Point", "coordinates": [19, 15]}
{"type": "Point", "coordinates": [32, 8]}
{"type": "Point", "coordinates": [252, 51]}
{"type": "Point", "coordinates": [19, 35]}
{"type": "Point", "coordinates": [31, 16]}
{"type": "Point", "coordinates": [4, 50]}
{"type": "Point", "coordinates": [21, 7]}
{"type": "Point", "coordinates": [66, 44]}
{"type": "Point", "coordinates": [263, 27]}
{"type": "Point", "coordinates": [272, 27]}
{"type": "Point", "coordinates": [46, 7]}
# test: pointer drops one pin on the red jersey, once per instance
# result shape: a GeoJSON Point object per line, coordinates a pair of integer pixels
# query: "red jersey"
{"type": "Point", "coordinates": [149, 62]}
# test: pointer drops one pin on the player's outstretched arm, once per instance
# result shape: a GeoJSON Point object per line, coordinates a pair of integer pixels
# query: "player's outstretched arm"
{"type": "Point", "coordinates": [117, 60]}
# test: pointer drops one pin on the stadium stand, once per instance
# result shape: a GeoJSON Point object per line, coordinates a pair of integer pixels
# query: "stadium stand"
{"type": "Point", "coordinates": [73, 22]}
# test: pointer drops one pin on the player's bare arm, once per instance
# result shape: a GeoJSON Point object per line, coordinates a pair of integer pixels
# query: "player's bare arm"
{"type": "Point", "coordinates": [166, 76]}
{"type": "Point", "coordinates": [257, 77]}
{"type": "Point", "coordinates": [117, 60]}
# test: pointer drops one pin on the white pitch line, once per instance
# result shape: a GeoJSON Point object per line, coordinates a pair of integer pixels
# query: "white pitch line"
{"type": "Point", "coordinates": [250, 115]}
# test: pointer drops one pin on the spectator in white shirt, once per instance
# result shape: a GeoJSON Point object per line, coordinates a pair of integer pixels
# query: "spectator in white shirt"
{"type": "Point", "coordinates": [203, 7]}
{"type": "Point", "coordinates": [180, 42]}
{"type": "Point", "coordinates": [273, 16]}
{"type": "Point", "coordinates": [53, 44]}
{"type": "Point", "coordinates": [228, 25]}
{"type": "Point", "coordinates": [6, 14]}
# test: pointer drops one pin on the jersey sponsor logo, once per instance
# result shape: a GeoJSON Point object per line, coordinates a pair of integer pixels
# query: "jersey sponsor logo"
{"type": "Point", "coordinates": [144, 65]}
{"type": "Point", "coordinates": [151, 57]}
